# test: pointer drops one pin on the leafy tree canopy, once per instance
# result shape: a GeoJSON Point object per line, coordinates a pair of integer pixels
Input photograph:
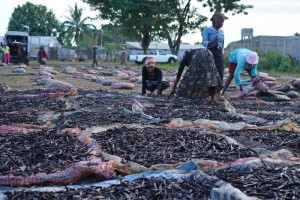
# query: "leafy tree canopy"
{"type": "Point", "coordinates": [76, 27]}
{"type": "Point", "coordinates": [34, 19]}
{"type": "Point", "coordinates": [139, 20]}
{"type": "Point", "coordinates": [226, 6]}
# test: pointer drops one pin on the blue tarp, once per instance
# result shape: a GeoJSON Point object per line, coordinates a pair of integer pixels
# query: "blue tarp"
{"type": "Point", "coordinates": [222, 190]}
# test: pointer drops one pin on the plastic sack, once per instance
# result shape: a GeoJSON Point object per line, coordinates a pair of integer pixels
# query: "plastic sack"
{"type": "Point", "coordinates": [121, 85]}
{"type": "Point", "coordinates": [18, 70]}
{"type": "Point", "coordinates": [51, 83]}
{"type": "Point", "coordinates": [92, 71]}
{"type": "Point", "coordinates": [260, 85]}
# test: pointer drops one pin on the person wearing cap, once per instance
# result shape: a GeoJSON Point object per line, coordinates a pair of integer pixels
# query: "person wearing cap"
{"type": "Point", "coordinates": [213, 40]}
{"type": "Point", "coordinates": [239, 60]}
{"type": "Point", "coordinates": [152, 78]}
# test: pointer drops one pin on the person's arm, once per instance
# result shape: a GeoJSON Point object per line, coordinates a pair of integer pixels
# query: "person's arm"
{"type": "Point", "coordinates": [184, 62]}
{"type": "Point", "coordinates": [237, 73]}
{"type": "Point", "coordinates": [204, 35]}
{"type": "Point", "coordinates": [144, 80]}
{"type": "Point", "coordinates": [206, 42]}
{"type": "Point", "coordinates": [158, 77]}
{"type": "Point", "coordinates": [253, 73]}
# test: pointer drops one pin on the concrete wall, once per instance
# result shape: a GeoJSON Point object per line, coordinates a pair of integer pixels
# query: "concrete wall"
{"type": "Point", "coordinates": [284, 45]}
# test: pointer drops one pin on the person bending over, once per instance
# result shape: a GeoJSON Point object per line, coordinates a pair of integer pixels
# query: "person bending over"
{"type": "Point", "coordinates": [201, 79]}
{"type": "Point", "coordinates": [239, 60]}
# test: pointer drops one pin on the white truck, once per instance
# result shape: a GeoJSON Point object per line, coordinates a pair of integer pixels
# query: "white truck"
{"type": "Point", "coordinates": [159, 55]}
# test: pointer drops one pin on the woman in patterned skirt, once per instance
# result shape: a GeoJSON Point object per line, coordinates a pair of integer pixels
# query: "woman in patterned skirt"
{"type": "Point", "coordinates": [201, 79]}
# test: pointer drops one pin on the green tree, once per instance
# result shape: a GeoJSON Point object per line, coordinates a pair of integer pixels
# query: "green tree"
{"type": "Point", "coordinates": [297, 34]}
{"type": "Point", "coordinates": [110, 50]}
{"type": "Point", "coordinates": [226, 6]}
{"type": "Point", "coordinates": [182, 17]}
{"type": "Point", "coordinates": [159, 19]}
{"type": "Point", "coordinates": [112, 33]}
{"type": "Point", "coordinates": [76, 28]}
{"type": "Point", "coordinates": [34, 19]}
{"type": "Point", "coordinates": [138, 20]}
{"type": "Point", "coordinates": [188, 18]}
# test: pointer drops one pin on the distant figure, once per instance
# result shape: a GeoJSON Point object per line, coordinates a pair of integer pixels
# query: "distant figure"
{"type": "Point", "coordinates": [22, 54]}
{"type": "Point", "coordinates": [1, 52]}
{"type": "Point", "coordinates": [123, 57]}
{"type": "Point", "coordinates": [24, 41]}
{"type": "Point", "coordinates": [75, 57]}
{"type": "Point", "coordinates": [152, 78]}
{"type": "Point", "coordinates": [42, 56]}
{"type": "Point", "coordinates": [6, 54]}
{"type": "Point", "coordinates": [94, 56]}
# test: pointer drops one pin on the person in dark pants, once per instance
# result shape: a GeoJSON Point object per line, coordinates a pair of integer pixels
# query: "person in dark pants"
{"type": "Point", "coordinates": [152, 78]}
{"type": "Point", "coordinates": [213, 40]}
{"type": "Point", "coordinates": [201, 79]}
{"type": "Point", "coordinates": [94, 56]}
{"type": "Point", "coordinates": [123, 57]}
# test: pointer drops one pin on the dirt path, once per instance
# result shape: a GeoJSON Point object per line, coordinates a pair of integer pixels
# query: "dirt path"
{"type": "Point", "coordinates": [26, 81]}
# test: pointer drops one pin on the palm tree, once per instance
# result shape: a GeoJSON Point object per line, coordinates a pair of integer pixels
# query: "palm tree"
{"type": "Point", "coordinates": [75, 27]}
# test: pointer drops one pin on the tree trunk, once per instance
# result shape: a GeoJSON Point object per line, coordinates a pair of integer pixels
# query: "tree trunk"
{"type": "Point", "coordinates": [174, 46]}
{"type": "Point", "coordinates": [146, 42]}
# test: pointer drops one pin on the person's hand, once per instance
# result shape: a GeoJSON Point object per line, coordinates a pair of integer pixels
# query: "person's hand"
{"type": "Point", "coordinates": [172, 93]}
{"type": "Point", "coordinates": [155, 92]}
{"type": "Point", "coordinates": [241, 88]}
{"type": "Point", "coordinates": [255, 80]}
{"type": "Point", "coordinates": [216, 39]}
{"type": "Point", "coordinates": [260, 85]}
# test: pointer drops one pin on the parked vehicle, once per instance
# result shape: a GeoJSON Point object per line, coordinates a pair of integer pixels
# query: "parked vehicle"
{"type": "Point", "coordinates": [18, 45]}
{"type": "Point", "coordinates": [159, 55]}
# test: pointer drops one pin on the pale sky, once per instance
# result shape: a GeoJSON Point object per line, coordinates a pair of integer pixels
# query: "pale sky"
{"type": "Point", "coordinates": [267, 17]}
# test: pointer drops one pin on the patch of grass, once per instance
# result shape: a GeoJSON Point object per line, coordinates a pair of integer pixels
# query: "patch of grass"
{"type": "Point", "coordinates": [277, 73]}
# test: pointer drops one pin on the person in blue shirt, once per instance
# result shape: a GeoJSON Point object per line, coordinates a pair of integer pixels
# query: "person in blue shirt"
{"type": "Point", "coordinates": [239, 60]}
{"type": "Point", "coordinates": [213, 40]}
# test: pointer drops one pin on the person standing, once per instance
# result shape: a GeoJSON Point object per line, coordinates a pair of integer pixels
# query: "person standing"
{"type": "Point", "coordinates": [42, 56]}
{"type": "Point", "coordinates": [239, 60]}
{"type": "Point", "coordinates": [213, 40]}
{"type": "Point", "coordinates": [1, 52]}
{"type": "Point", "coordinates": [152, 78]}
{"type": "Point", "coordinates": [201, 79]}
{"type": "Point", "coordinates": [123, 57]}
{"type": "Point", "coordinates": [94, 55]}
{"type": "Point", "coordinates": [6, 54]}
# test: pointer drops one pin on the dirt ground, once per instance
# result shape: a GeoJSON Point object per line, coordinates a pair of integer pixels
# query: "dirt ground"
{"type": "Point", "coordinates": [26, 81]}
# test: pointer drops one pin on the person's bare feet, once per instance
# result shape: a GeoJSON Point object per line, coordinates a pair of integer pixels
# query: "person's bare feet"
{"type": "Point", "coordinates": [219, 98]}
{"type": "Point", "coordinates": [214, 102]}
